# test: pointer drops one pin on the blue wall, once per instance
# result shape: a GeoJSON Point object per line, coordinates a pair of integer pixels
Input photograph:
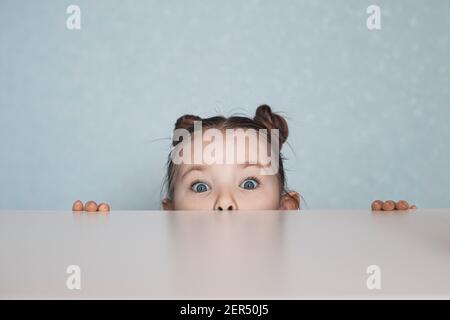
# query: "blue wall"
{"type": "Point", "coordinates": [88, 113]}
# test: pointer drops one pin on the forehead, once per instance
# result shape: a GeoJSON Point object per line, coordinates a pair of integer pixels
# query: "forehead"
{"type": "Point", "coordinates": [240, 148]}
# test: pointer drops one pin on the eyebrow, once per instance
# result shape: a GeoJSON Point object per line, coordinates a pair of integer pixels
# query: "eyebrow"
{"type": "Point", "coordinates": [194, 168]}
{"type": "Point", "coordinates": [204, 167]}
{"type": "Point", "coordinates": [259, 165]}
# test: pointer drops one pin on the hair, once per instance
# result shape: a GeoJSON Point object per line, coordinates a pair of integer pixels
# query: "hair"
{"type": "Point", "coordinates": [264, 119]}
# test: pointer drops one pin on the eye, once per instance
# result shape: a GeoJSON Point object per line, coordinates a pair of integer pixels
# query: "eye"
{"type": "Point", "coordinates": [199, 187]}
{"type": "Point", "coordinates": [249, 184]}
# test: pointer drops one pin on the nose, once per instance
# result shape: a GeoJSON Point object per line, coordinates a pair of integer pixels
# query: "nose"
{"type": "Point", "coordinates": [225, 202]}
{"type": "Point", "coordinates": [230, 207]}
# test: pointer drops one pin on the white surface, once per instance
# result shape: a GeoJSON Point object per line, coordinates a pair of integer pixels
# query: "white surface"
{"type": "Point", "coordinates": [225, 255]}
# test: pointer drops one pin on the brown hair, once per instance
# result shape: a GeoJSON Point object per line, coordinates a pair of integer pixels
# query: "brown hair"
{"type": "Point", "coordinates": [264, 119]}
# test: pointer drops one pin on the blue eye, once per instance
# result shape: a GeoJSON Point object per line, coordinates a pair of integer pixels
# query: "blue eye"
{"type": "Point", "coordinates": [200, 187]}
{"type": "Point", "coordinates": [249, 184]}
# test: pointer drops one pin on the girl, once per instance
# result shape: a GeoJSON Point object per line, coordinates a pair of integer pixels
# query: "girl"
{"type": "Point", "coordinates": [230, 186]}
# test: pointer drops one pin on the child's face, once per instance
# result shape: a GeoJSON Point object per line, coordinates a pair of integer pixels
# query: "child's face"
{"type": "Point", "coordinates": [238, 186]}
{"type": "Point", "coordinates": [225, 187]}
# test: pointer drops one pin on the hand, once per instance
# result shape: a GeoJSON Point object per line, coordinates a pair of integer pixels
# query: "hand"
{"type": "Point", "coordinates": [390, 205]}
{"type": "Point", "coordinates": [90, 206]}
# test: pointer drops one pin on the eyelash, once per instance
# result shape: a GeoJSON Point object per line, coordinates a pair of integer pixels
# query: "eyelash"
{"type": "Point", "coordinates": [252, 178]}
{"type": "Point", "coordinates": [258, 181]}
{"type": "Point", "coordinates": [196, 181]}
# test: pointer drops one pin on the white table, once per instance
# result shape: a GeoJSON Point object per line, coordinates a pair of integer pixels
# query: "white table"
{"type": "Point", "coordinates": [226, 255]}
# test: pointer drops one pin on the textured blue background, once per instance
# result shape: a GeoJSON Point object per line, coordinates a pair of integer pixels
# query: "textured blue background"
{"type": "Point", "coordinates": [88, 114]}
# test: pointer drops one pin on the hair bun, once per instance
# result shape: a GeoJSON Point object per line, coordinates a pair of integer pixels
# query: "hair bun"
{"type": "Point", "coordinates": [186, 121]}
{"type": "Point", "coordinates": [271, 120]}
